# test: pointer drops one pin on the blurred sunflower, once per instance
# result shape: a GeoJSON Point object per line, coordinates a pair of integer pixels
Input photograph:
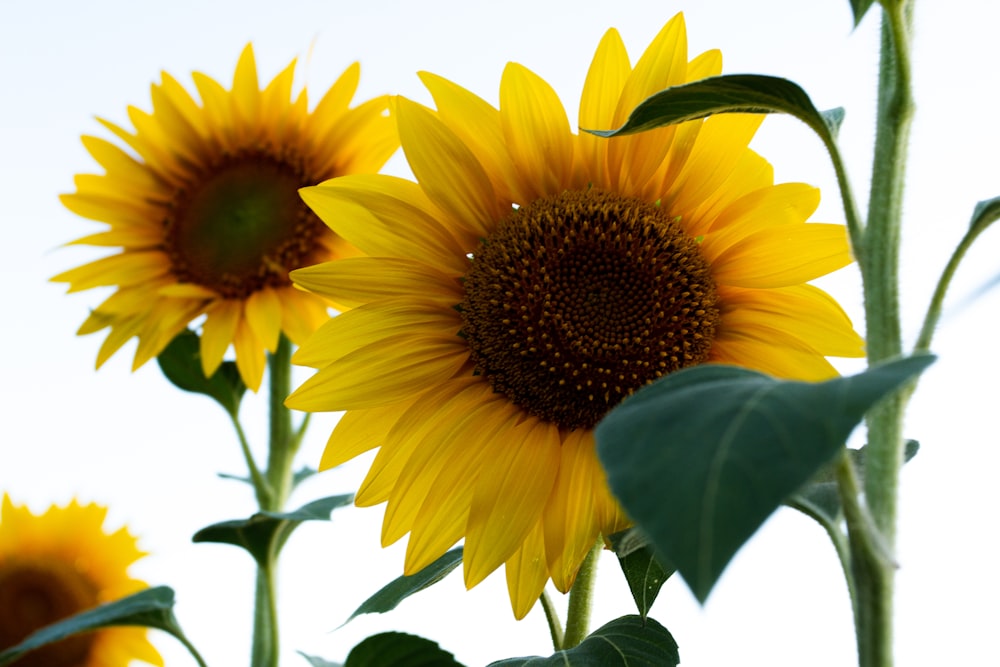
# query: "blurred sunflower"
{"type": "Point", "coordinates": [530, 280]}
{"type": "Point", "coordinates": [206, 212]}
{"type": "Point", "coordinates": [58, 564]}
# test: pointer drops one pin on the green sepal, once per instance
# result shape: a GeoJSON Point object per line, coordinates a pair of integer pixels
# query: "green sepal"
{"type": "Point", "coordinates": [986, 213]}
{"type": "Point", "coordinates": [730, 93]}
{"type": "Point", "coordinates": [629, 641]}
{"type": "Point", "coordinates": [396, 649]}
{"type": "Point", "coordinates": [859, 8]}
{"type": "Point", "coordinates": [264, 533]}
{"type": "Point", "coordinates": [643, 571]}
{"type": "Point", "coordinates": [150, 608]}
{"type": "Point", "coordinates": [390, 595]}
{"type": "Point", "coordinates": [700, 458]}
{"type": "Point", "coordinates": [180, 362]}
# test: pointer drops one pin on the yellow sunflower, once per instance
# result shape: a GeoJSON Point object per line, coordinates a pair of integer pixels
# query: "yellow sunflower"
{"type": "Point", "coordinates": [533, 277]}
{"type": "Point", "coordinates": [204, 207]}
{"type": "Point", "coordinates": [58, 564]}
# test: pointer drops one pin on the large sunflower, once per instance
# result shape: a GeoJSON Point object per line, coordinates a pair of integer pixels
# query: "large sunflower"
{"type": "Point", "coordinates": [61, 563]}
{"type": "Point", "coordinates": [206, 212]}
{"type": "Point", "coordinates": [530, 280]}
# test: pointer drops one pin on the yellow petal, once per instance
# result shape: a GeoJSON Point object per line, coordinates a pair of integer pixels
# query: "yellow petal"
{"type": "Point", "coordinates": [373, 322]}
{"type": "Point", "coordinates": [366, 214]}
{"type": "Point", "coordinates": [536, 130]}
{"type": "Point", "coordinates": [509, 500]}
{"type": "Point", "coordinates": [250, 357]}
{"type": "Point", "coordinates": [218, 332]}
{"type": "Point", "coordinates": [246, 94]}
{"type": "Point", "coordinates": [446, 169]}
{"type": "Point", "coordinates": [357, 432]}
{"type": "Point", "coordinates": [527, 572]}
{"type": "Point", "coordinates": [359, 280]}
{"type": "Point", "coordinates": [803, 311]}
{"type": "Point", "coordinates": [605, 78]}
{"type": "Point", "coordinates": [781, 358]}
{"type": "Point", "coordinates": [783, 255]}
{"type": "Point", "coordinates": [125, 269]}
{"type": "Point", "coordinates": [570, 524]}
{"type": "Point", "coordinates": [384, 372]}
{"type": "Point", "coordinates": [263, 314]}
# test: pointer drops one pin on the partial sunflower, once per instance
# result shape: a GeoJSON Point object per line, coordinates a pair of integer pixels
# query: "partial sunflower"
{"type": "Point", "coordinates": [204, 207]}
{"type": "Point", "coordinates": [61, 563]}
{"type": "Point", "coordinates": [528, 281]}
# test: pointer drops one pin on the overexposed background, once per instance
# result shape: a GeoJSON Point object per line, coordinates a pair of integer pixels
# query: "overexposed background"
{"type": "Point", "coordinates": [131, 441]}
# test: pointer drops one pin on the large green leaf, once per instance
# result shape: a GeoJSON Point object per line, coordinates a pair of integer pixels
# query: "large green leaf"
{"type": "Point", "coordinates": [629, 641]}
{"type": "Point", "coordinates": [181, 364]}
{"type": "Point", "coordinates": [264, 533]}
{"type": "Point", "coordinates": [643, 571]}
{"type": "Point", "coordinates": [730, 93]}
{"type": "Point", "coordinates": [398, 649]}
{"type": "Point", "coordinates": [700, 458]}
{"type": "Point", "coordinates": [403, 587]}
{"type": "Point", "coordinates": [151, 608]}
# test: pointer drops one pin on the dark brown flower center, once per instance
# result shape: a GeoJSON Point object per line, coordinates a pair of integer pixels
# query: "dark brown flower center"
{"type": "Point", "coordinates": [577, 300]}
{"type": "Point", "coordinates": [241, 225]}
{"type": "Point", "coordinates": [34, 594]}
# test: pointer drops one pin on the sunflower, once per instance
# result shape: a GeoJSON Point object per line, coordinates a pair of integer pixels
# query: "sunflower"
{"type": "Point", "coordinates": [532, 278]}
{"type": "Point", "coordinates": [204, 207]}
{"type": "Point", "coordinates": [58, 564]}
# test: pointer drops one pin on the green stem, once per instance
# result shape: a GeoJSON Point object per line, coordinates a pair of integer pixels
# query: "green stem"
{"type": "Point", "coordinates": [191, 649]}
{"type": "Point", "coordinates": [283, 444]}
{"type": "Point", "coordinates": [264, 652]}
{"type": "Point", "coordinates": [552, 616]}
{"type": "Point", "coordinates": [262, 490]}
{"type": "Point", "coordinates": [879, 262]}
{"type": "Point", "coordinates": [852, 215]}
{"type": "Point", "coordinates": [581, 597]}
{"type": "Point", "coordinates": [282, 447]}
{"type": "Point", "coordinates": [937, 301]}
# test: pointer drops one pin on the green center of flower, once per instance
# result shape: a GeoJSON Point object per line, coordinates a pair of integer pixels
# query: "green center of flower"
{"type": "Point", "coordinates": [577, 300]}
{"type": "Point", "coordinates": [35, 594]}
{"type": "Point", "coordinates": [241, 226]}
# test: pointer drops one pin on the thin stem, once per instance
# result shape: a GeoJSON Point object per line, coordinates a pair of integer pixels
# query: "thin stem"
{"type": "Point", "coordinates": [870, 565]}
{"type": "Point", "coordinates": [264, 652]}
{"type": "Point", "coordinates": [581, 599]}
{"type": "Point", "coordinates": [191, 649]}
{"type": "Point", "coordinates": [552, 616]}
{"type": "Point", "coordinates": [262, 490]}
{"type": "Point", "coordinates": [852, 214]}
{"type": "Point", "coordinates": [283, 443]}
{"type": "Point", "coordinates": [937, 301]}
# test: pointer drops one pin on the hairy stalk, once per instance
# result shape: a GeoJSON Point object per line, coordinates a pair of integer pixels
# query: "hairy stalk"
{"type": "Point", "coordinates": [879, 261]}
{"type": "Point", "coordinates": [282, 446]}
{"type": "Point", "coordinates": [552, 617]}
{"type": "Point", "coordinates": [581, 598]}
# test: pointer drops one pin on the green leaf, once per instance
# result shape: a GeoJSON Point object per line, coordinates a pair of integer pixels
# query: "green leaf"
{"type": "Point", "coordinates": [820, 499]}
{"type": "Point", "coordinates": [859, 8]}
{"type": "Point", "coordinates": [264, 533]}
{"type": "Point", "coordinates": [151, 608]}
{"type": "Point", "coordinates": [700, 458]}
{"type": "Point", "coordinates": [315, 661]}
{"type": "Point", "coordinates": [986, 213]}
{"type": "Point", "coordinates": [643, 572]}
{"type": "Point", "coordinates": [181, 364]}
{"type": "Point", "coordinates": [398, 649]}
{"type": "Point", "coordinates": [403, 587]}
{"type": "Point", "coordinates": [629, 641]}
{"type": "Point", "coordinates": [731, 93]}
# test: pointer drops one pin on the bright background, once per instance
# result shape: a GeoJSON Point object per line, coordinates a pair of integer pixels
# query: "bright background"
{"type": "Point", "coordinates": [131, 441]}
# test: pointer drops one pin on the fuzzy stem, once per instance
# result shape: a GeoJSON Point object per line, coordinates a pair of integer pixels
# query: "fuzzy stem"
{"type": "Point", "coordinates": [874, 573]}
{"type": "Point", "coordinates": [552, 617]}
{"type": "Point", "coordinates": [581, 598]}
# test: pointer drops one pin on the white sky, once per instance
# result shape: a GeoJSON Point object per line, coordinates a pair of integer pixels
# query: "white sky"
{"type": "Point", "coordinates": [151, 452]}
